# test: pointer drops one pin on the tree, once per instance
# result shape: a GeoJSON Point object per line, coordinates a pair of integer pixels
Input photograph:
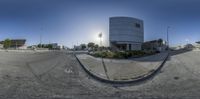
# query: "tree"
{"type": "Point", "coordinates": [50, 46]}
{"type": "Point", "coordinates": [96, 46]}
{"type": "Point", "coordinates": [7, 43]}
{"type": "Point", "coordinates": [39, 45]}
{"type": "Point", "coordinates": [91, 45]}
{"type": "Point", "coordinates": [43, 46]}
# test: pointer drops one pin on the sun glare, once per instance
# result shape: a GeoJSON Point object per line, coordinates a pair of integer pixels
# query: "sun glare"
{"type": "Point", "coordinates": [96, 38]}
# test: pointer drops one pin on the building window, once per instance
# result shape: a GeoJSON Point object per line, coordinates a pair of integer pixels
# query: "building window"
{"type": "Point", "coordinates": [137, 25]}
{"type": "Point", "coordinates": [129, 47]}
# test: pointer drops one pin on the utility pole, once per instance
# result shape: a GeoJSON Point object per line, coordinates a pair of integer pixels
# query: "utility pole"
{"type": "Point", "coordinates": [40, 40]}
{"type": "Point", "coordinates": [41, 37]}
{"type": "Point", "coordinates": [100, 36]}
{"type": "Point", "coordinates": [168, 38]}
{"type": "Point", "coordinates": [16, 45]}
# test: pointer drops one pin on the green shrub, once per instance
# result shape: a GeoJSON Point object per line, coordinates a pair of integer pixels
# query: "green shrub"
{"type": "Point", "coordinates": [119, 55]}
{"type": "Point", "coordinates": [97, 54]}
{"type": "Point", "coordinates": [110, 54]}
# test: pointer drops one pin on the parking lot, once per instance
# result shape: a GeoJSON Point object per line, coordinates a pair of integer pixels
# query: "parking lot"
{"type": "Point", "coordinates": [58, 75]}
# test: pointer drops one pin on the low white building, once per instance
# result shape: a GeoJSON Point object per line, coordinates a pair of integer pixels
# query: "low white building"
{"type": "Point", "coordinates": [57, 46]}
{"type": "Point", "coordinates": [22, 47]}
{"type": "Point", "coordinates": [1, 46]}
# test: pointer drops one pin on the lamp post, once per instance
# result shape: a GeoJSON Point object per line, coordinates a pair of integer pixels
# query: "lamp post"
{"type": "Point", "coordinates": [100, 36]}
{"type": "Point", "coordinates": [168, 38]}
{"type": "Point", "coordinates": [40, 40]}
{"type": "Point", "coordinates": [41, 37]}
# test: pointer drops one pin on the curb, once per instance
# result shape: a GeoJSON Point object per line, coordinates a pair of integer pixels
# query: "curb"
{"type": "Point", "coordinates": [137, 79]}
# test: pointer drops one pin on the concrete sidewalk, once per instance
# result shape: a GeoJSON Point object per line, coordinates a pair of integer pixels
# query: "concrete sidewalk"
{"type": "Point", "coordinates": [122, 69]}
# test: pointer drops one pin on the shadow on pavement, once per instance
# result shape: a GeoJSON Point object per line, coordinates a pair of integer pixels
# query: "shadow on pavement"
{"type": "Point", "coordinates": [156, 58]}
{"type": "Point", "coordinates": [152, 58]}
{"type": "Point", "coordinates": [176, 52]}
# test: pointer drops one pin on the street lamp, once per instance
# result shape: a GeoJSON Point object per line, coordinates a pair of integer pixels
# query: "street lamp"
{"type": "Point", "coordinates": [100, 36]}
{"type": "Point", "coordinates": [41, 37]}
{"type": "Point", "coordinates": [168, 38]}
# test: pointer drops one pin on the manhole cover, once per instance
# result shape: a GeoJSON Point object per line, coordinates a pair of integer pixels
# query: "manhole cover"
{"type": "Point", "coordinates": [176, 78]}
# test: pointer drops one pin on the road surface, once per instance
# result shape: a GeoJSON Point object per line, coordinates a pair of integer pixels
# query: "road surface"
{"type": "Point", "coordinates": [58, 75]}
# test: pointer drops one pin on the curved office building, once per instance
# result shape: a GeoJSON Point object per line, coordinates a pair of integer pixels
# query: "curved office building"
{"type": "Point", "coordinates": [126, 33]}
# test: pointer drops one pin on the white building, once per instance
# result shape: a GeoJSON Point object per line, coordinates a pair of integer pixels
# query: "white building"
{"type": "Point", "coordinates": [1, 46]}
{"type": "Point", "coordinates": [57, 46]}
{"type": "Point", "coordinates": [126, 33]}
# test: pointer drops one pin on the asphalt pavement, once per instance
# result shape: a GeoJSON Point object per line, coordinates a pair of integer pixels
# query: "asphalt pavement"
{"type": "Point", "coordinates": [58, 75]}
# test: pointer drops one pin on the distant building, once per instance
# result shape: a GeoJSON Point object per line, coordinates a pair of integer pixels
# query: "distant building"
{"type": "Point", "coordinates": [179, 47]}
{"type": "Point", "coordinates": [32, 47]}
{"type": "Point", "coordinates": [197, 45]}
{"type": "Point", "coordinates": [16, 43]}
{"type": "Point", "coordinates": [57, 46]}
{"type": "Point", "coordinates": [126, 33]}
{"type": "Point", "coordinates": [77, 47]}
{"type": "Point", "coordinates": [54, 45]}
{"type": "Point", "coordinates": [1, 46]}
{"type": "Point", "coordinates": [189, 46]}
{"type": "Point", "coordinates": [155, 45]}
{"type": "Point", "coordinates": [81, 47]}
{"type": "Point", "coordinates": [198, 42]}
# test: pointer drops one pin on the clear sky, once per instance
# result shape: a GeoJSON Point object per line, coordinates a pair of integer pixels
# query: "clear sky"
{"type": "Point", "coordinates": [79, 21]}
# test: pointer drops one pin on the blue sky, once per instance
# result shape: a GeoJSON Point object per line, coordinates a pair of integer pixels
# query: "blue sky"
{"type": "Point", "coordinates": [72, 22]}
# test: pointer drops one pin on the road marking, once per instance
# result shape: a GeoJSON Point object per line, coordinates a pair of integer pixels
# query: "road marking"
{"type": "Point", "coordinates": [68, 70]}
